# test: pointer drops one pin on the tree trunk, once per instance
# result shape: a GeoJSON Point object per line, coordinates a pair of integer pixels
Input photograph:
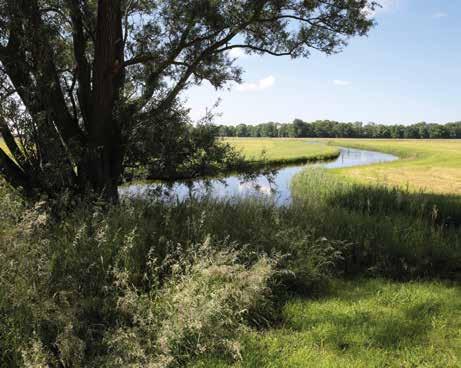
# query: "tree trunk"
{"type": "Point", "coordinates": [105, 143]}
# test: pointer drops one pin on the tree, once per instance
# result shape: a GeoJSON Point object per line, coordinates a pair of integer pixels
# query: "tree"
{"type": "Point", "coordinates": [78, 77]}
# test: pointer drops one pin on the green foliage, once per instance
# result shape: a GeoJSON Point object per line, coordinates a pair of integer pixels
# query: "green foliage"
{"type": "Point", "coordinates": [170, 147]}
{"type": "Point", "coordinates": [334, 129]}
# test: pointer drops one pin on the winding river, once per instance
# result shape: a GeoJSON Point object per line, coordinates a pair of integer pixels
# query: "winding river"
{"type": "Point", "coordinates": [233, 186]}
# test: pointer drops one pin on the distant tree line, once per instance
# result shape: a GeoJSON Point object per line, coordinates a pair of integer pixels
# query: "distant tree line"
{"type": "Point", "coordinates": [334, 129]}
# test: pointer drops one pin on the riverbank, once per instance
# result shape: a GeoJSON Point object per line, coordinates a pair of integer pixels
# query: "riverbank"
{"type": "Point", "coordinates": [424, 165]}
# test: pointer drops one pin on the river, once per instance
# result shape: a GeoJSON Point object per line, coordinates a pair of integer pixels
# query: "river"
{"type": "Point", "coordinates": [232, 186]}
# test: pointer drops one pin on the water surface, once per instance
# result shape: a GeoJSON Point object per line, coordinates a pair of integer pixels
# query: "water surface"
{"type": "Point", "coordinates": [232, 186]}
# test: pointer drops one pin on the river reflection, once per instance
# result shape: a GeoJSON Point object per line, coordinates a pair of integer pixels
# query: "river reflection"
{"type": "Point", "coordinates": [232, 186]}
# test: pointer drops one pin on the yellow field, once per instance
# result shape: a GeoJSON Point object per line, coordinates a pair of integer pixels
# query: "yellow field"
{"type": "Point", "coordinates": [280, 150]}
{"type": "Point", "coordinates": [428, 165]}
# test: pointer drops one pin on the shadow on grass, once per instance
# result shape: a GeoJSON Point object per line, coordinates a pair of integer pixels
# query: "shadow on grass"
{"type": "Point", "coordinates": [375, 314]}
{"type": "Point", "coordinates": [363, 323]}
{"type": "Point", "coordinates": [396, 233]}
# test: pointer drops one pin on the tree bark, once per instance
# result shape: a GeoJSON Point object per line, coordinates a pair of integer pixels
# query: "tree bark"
{"type": "Point", "coordinates": [105, 151]}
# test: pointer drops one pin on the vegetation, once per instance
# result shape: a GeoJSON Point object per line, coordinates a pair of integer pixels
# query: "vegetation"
{"type": "Point", "coordinates": [426, 165]}
{"type": "Point", "coordinates": [166, 283]}
{"type": "Point", "coordinates": [282, 151]}
{"type": "Point", "coordinates": [334, 129]}
{"type": "Point", "coordinates": [362, 323]}
{"type": "Point", "coordinates": [81, 82]}
{"type": "Point", "coordinates": [90, 96]}
{"type": "Point", "coordinates": [114, 289]}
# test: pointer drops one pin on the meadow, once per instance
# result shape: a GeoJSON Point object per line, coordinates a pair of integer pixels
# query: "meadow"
{"type": "Point", "coordinates": [427, 165]}
{"type": "Point", "coordinates": [424, 165]}
{"type": "Point", "coordinates": [352, 273]}
{"type": "Point", "coordinates": [282, 151]}
{"type": "Point", "coordinates": [402, 220]}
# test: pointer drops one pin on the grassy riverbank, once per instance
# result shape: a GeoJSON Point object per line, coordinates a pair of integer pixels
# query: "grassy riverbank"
{"type": "Point", "coordinates": [282, 151]}
{"type": "Point", "coordinates": [424, 165]}
{"type": "Point", "coordinates": [427, 165]}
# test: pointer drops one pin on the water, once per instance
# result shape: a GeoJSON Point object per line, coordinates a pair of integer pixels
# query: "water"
{"type": "Point", "coordinates": [278, 189]}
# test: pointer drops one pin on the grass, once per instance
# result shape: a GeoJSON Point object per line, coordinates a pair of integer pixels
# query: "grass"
{"type": "Point", "coordinates": [104, 285]}
{"type": "Point", "coordinates": [364, 323]}
{"type": "Point", "coordinates": [409, 213]}
{"type": "Point", "coordinates": [282, 150]}
{"type": "Point", "coordinates": [3, 146]}
{"type": "Point", "coordinates": [427, 165]}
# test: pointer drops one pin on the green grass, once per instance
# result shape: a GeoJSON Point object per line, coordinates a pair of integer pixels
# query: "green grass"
{"type": "Point", "coordinates": [364, 323]}
{"type": "Point", "coordinates": [428, 165]}
{"type": "Point", "coordinates": [282, 151]}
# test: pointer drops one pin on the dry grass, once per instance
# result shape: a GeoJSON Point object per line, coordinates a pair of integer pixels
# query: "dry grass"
{"type": "Point", "coordinates": [428, 165]}
{"type": "Point", "coordinates": [282, 150]}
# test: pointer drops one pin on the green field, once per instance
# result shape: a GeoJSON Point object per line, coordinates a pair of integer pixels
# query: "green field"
{"type": "Point", "coordinates": [428, 165]}
{"type": "Point", "coordinates": [362, 324]}
{"type": "Point", "coordinates": [282, 151]}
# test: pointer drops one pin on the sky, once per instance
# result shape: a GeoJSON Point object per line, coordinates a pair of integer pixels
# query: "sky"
{"type": "Point", "coordinates": [407, 70]}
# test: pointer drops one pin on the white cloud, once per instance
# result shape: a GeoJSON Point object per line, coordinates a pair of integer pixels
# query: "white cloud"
{"type": "Point", "coordinates": [340, 82]}
{"type": "Point", "coordinates": [260, 85]}
{"type": "Point", "coordinates": [237, 53]}
{"type": "Point", "coordinates": [440, 15]}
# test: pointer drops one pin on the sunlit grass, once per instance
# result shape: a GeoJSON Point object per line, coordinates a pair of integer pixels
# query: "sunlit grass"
{"type": "Point", "coordinates": [3, 146]}
{"type": "Point", "coordinates": [282, 150]}
{"type": "Point", "coordinates": [429, 165]}
{"type": "Point", "coordinates": [367, 323]}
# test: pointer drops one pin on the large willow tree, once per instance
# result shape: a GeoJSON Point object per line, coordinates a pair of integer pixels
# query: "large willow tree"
{"type": "Point", "coordinates": [78, 78]}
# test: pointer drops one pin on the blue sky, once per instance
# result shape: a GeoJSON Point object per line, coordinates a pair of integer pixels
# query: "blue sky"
{"type": "Point", "coordinates": [407, 70]}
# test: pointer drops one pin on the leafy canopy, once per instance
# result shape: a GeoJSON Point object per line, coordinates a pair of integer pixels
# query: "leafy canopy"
{"type": "Point", "coordinates": [79, 79]}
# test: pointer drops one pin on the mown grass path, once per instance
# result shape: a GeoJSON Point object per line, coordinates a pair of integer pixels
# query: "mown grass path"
{"type": "Point", "coordinates": [425, 165]}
